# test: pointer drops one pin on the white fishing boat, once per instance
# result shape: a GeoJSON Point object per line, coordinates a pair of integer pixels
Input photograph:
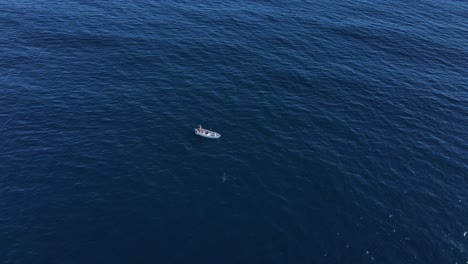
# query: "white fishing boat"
{"type": "Point", "coordinates": [206, 133]}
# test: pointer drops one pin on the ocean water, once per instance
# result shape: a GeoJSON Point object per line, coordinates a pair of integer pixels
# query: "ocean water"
{"type": "Point", "coordinates": [344, 131]}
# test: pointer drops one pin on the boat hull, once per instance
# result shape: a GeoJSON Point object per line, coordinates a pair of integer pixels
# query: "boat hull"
{"type": "Point", "coordinates": [207, 134]}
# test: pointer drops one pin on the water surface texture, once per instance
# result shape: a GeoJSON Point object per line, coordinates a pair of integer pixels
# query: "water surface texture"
{"type": "Point", "coordinates": [344, 131]}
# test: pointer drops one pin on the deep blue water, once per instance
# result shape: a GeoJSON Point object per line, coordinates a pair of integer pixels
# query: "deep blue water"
{"type": "Point", "coordinates": [344, 131]}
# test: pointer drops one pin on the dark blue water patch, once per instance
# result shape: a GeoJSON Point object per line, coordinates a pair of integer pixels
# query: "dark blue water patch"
{"type": "Point", "coordinates": [343, 132]}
